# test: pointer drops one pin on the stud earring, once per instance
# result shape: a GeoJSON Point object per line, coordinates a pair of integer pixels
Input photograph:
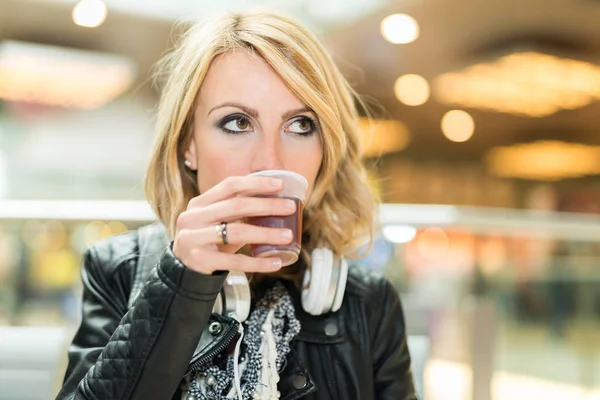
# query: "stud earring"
{"type": "Point", "coordinates": [188, 163]}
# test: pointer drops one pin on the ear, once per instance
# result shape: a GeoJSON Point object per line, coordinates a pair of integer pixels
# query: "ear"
{"type": "Point", "coordinates": [190, 155]}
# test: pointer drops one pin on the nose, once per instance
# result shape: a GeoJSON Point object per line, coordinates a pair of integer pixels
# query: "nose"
{"type": "Point", "coordinates": [268, 155]}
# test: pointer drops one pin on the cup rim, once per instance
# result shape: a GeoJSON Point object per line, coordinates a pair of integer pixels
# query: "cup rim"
{"type": "Point", "coordinates": [280, 172]}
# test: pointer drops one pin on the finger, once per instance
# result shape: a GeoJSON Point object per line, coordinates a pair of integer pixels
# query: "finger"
{"type": "Point", "coordinates": [207, 261]}
{"type": "Point", "coordinates": [235, 186]}
{"type": "Point", "coordinates": [237, 234]}
{"type": "Point", "coordinates": [235, 209]}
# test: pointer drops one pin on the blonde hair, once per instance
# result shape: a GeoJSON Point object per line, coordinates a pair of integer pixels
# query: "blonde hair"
{"type": "Point", "coordinates": [340, 212]}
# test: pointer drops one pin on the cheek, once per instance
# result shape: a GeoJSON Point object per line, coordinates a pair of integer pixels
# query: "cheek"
{"type": "Point", "coordinates": [311, 164]}
{"type": "Point", "coordinates": [213, 167]}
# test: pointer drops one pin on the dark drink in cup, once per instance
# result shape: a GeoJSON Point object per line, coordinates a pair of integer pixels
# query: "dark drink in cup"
{"type": "Point", "coordinates": [294, 188]}
{"type": "Point", "coordinates": [288, 253]}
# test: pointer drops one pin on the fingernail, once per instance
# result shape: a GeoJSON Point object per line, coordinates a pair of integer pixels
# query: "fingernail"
{"type": "Point", "coordinates": [290, 204]}
{"type": "Point", "coordinates": [286, 234]}
{"type": "Point", "coordinates": [276, 264]}
{"type": "Point", "coordinates": [276, 182]}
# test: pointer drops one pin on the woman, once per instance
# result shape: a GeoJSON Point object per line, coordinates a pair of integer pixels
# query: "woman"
{"type": "Point", "coordinates": [244, 93]}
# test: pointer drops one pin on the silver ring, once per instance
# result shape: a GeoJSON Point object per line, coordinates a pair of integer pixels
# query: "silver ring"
{"type": "Point", "coordinates": [222, 232]}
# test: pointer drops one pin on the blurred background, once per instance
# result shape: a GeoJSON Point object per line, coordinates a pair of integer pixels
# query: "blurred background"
{"type": "Point", "coordinates": [484, 147]}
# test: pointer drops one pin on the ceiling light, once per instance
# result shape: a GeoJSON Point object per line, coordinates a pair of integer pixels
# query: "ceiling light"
{"type": "Point", "coordinates": [379, 136]}
{"type": "Point", "coordinates": [399, 29]}
{"type": "Point", "coordinates": [525, 83]}
{"type": "Point", "coordinates": [89, 13]}
{"type": "Point", "coordinates": [544, 160]}
{"type": "Point", "coordinates": [58, 76]}
{"type": "Point", "coordinates": [399, 233]}
{"type": "Point", "coordinates": [412, 90]}
{"type": "Point", "coordinates": [458, 126]}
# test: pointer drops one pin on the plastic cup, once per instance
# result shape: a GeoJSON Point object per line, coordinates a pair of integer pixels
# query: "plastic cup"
{"type": "Point", "coordinates": [294, 188]}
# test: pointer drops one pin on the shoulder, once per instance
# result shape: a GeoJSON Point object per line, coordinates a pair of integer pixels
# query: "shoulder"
{"type": "Point", "coordinates": [372, 299]}
{"type": "Point", "coordinates": [377, 301]}
{"type": "Point", "coordinates": [366, 285]}
{"type": "Point", "coordinates": [110, 254]}
{"type": "Point", "coordinates": [106, 256]}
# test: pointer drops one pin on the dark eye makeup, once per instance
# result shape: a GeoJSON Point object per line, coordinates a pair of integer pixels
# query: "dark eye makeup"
{"type": "Point", "coordinates": [237, 123]}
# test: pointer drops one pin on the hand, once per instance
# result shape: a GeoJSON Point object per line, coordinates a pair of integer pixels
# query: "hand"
{"type": "Point", "coordinates": [197, 244]}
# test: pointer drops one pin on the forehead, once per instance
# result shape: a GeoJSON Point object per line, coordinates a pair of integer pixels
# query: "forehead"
{"type": "Point", "coordinates": [246, 78]}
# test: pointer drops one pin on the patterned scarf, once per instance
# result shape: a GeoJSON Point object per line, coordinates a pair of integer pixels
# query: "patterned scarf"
{"type": "Point", "coordinates": [269, 331]}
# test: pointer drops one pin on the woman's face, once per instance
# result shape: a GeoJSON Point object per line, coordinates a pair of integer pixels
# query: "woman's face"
{"type": "Point", "coordinates": [247, 120]}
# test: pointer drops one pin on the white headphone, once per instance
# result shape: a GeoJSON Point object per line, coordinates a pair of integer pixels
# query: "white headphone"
{"type": "Point", "coordinates": [324, 283]}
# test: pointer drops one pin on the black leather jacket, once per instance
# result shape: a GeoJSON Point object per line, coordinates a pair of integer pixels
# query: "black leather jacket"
{"type": "Point", "coordinates": [144, 350]}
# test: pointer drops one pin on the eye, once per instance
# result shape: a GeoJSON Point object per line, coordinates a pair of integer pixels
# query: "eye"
{"type": "Point", "coordinates": [301, 126]}
{"type": "Point", "coordinates": [236, 124]}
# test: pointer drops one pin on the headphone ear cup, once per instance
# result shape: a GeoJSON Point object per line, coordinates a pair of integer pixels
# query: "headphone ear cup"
{"type": "Point", "coordinates": [325, 296]}
{"type": "Point", "coordinates": [318, 279]}
{"type": "Point", "coordinates": [341, 285]}
{"type": "Point", "coordinates": [237, 296]}
{"type": "Point", "coordinates": [218, 306]}
{"type": "Point", "coordinates": [309, 282]}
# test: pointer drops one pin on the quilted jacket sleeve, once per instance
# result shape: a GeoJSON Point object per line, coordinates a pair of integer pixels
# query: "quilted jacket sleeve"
{"type": "Point", "coordinates": [141, 352]}
{"type": "Point", "coordinates": [392, 372]}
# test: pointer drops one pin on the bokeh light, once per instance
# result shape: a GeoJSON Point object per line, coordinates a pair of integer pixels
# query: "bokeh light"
{"type": "Point", "coordinates": [400, 29]}
{"type": "Point", "coordinates": [433, 243]}
{"type": "Point", "coordinates": [458, 126]}
{"type": "Point", "coordinates": [89, 13]}
{"type": "Point", "coordinates": [412, 90]}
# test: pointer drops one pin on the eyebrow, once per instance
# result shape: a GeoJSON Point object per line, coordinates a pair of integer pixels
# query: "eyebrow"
{"type": "Point", "coordinates": [254, 114]}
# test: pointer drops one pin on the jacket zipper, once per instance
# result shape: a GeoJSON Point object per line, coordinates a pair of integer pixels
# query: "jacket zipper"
{"type": "Point", "coordinates": [326, 358]}
{"type": "Point", "coordinates": [227, 339]}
